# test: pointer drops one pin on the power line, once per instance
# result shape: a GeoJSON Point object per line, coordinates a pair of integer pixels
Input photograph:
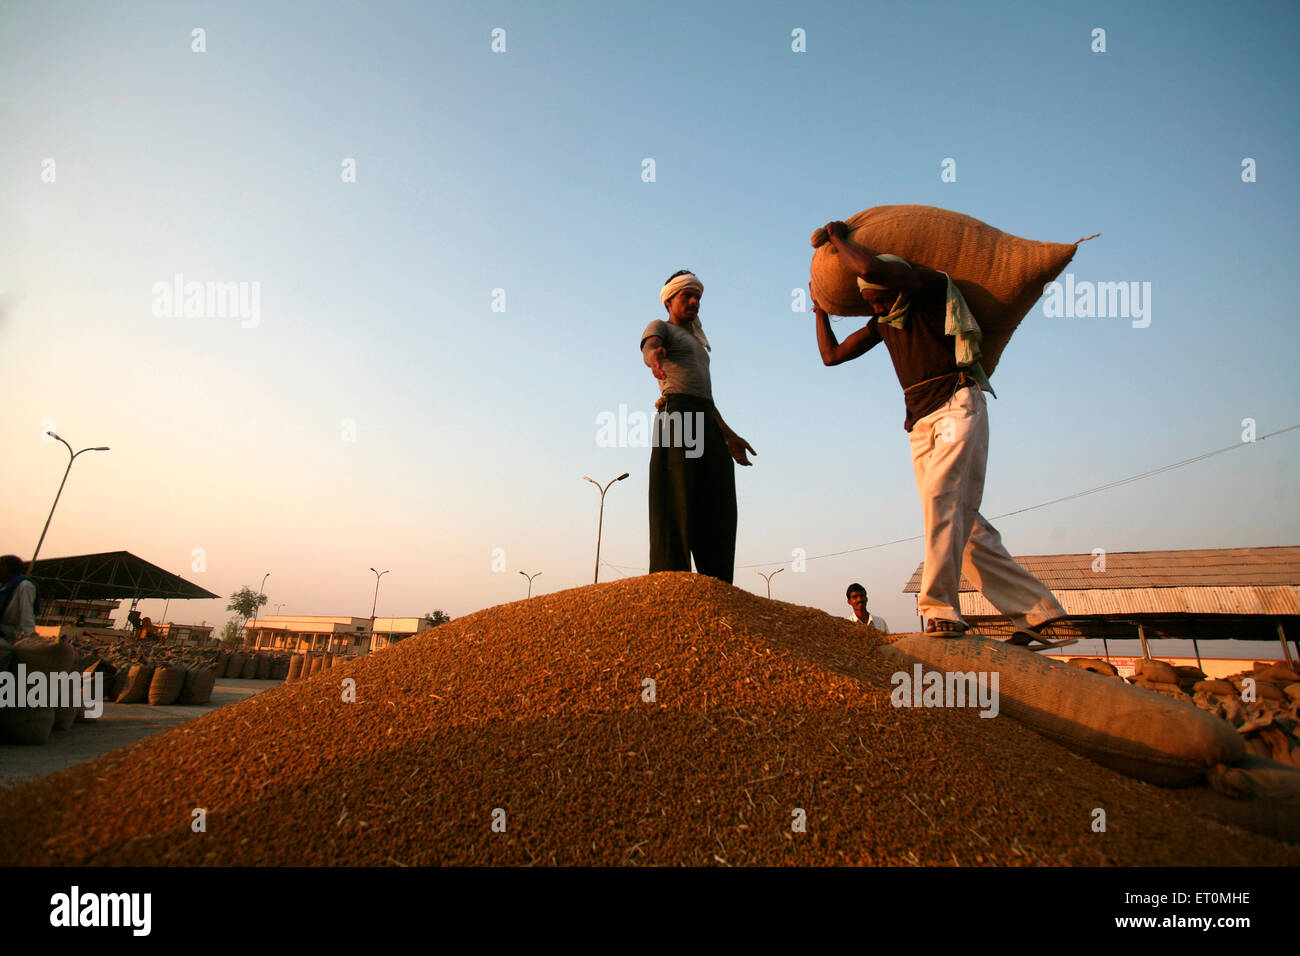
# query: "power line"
{"type": "Point", "coordinates": [1007, 514]}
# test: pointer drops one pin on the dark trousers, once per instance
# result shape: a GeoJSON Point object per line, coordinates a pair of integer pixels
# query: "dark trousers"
{"type": "Point", "coordinates": [692, 499]}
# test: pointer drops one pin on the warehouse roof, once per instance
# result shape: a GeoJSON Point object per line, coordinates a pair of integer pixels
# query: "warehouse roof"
{"type": "Point", "coordinates": [108, 575]}
{"type": "Point", "coordinates": [1205, 568]}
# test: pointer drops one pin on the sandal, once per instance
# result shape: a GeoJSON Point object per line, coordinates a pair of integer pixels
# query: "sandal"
{"type": "Point", "coordinates": [940, 627]}
{"type": "Point", "coordinates": [1026, 637]}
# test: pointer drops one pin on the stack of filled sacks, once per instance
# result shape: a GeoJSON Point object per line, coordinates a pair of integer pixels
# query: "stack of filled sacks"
{"type": "Point", "coordinates": [56, 659]}
{"type": "Point", "coordinates": [1269, 722]}
{"type": "Point", "coordinates": [1001, 276]}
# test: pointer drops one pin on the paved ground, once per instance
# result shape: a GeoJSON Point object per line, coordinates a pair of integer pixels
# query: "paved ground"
{"type": "Point", "coordinates": [120, 724]}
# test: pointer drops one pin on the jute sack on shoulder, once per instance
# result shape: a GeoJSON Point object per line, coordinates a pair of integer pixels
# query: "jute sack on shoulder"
{"type": "Point", "coordinates": [198, 685]}
{"type": "Point", "coordinates": [1140, 734]}
{"type": "Point", "coordinates": [1000, 275]}
{"type": "Point", "coordinates": [166, 684]}
{"type": "Point", "coordinates": [139, 678]}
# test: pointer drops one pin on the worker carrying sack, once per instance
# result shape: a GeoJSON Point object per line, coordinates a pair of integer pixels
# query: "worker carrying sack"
{"type": "Point", "coordinates": [1001, 276]}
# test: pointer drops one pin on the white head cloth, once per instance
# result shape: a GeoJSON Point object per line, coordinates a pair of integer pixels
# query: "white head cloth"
{"type": "Point", "coordinates": [678, 284]}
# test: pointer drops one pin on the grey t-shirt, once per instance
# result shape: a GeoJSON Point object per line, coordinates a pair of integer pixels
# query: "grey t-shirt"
{"type": "Point", "coordinates": [686, 361]}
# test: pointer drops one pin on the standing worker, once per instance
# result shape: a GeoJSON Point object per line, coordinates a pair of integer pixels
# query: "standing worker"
{"type": "Point", "coordinates": [692, 491]}
{"type": "Point", "coordinates": [934, 343]}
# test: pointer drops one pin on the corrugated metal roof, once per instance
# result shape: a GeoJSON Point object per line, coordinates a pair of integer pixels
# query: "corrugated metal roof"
{"type": "Point", "coordinates": [1109, 601]}
{"type": "Point", "coordinates": [1206, 568]}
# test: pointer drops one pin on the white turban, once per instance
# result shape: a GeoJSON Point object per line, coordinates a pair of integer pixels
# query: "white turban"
{"type": "Point", "coordinates": [681, 283]}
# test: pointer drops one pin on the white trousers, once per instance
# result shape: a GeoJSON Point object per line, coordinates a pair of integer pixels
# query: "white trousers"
{"type": "Point", "coordinates": [950, 448]}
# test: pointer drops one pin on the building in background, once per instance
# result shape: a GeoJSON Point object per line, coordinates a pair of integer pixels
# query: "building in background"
{"type": "Point", "coordinates": [348, 636]}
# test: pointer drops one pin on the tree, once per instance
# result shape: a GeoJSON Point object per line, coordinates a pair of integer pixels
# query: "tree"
{"type": "Point", "coordinates": [436, 617]}
{"type": "Point", "coordinates": [245, 603]}
{"type": "Point", "coordinates": [230, 635]}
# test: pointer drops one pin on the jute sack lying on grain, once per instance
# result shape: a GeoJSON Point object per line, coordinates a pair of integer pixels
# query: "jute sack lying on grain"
{"type": "Point", "coordinates": [295, 669]}
{"type": "Point", "coordinates": [1156, 671]}
{"type": "Point", "coordinates": [1000, 275]}
{"type": "Point", "coordinates": [166, 684]}
{"type": "Point", "coordinates": [1215, 687]}
{"type": "Point", "coordinates": [1256, 794]}
{"type": "Point", "coordinates": [1105, 668]}
{"type": "Point", "coordinates": [197, 688]}
{"type": "Point", "coordinates": [1143, 735]}
{"type": "Point", "coordinates": [139, 678]}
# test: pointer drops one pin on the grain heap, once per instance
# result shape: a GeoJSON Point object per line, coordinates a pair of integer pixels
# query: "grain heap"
{"type": "Point", "coordinates": [541, 710]}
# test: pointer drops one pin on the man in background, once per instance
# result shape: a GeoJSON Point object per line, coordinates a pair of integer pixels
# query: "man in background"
{"type": "Point", "coordinates": [857, 596]}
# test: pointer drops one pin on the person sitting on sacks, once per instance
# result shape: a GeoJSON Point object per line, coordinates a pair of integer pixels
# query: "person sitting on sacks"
{"type": "Point", "coordinates": [692, 478]}
{"type": "Point", "coordinates": [934, 343]}
{"type": "Point", "coordinates": [20, 600]}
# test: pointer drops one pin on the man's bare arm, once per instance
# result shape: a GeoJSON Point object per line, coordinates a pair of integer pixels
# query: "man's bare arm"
{"type": "Point", "coordinates": [735, 444]}
{"type": "Point", "coordinates": [652, 353]}
{"type": "Point", "coordinates": [863, 263]}
{"type": "Point", "coordinates": [835, 352]}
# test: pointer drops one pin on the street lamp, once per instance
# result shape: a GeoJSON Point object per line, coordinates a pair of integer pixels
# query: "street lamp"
{"type": "Point", "coordinates": [374, 603]}
{"type": "Point", "coordinates": [601, 523]}
{"type": "Point", "coordinates": [277, 608]}
{"type": "Point", "coordinates": [768, 578]}
{"type": "Point", "coordinates": [61, 484]}
{"type": "Point", "coordinates": [530, 581]}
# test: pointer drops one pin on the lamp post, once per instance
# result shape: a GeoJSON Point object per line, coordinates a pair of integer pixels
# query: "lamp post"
{"type": "Point", "coordinates": [375, 603]}
{"type": "Point", "coordinates": [260, 597]}
{"type": "Point", "coordinates": [61, 484]}
{"type": "Point", "coordinates": [768, 578]}
{"type": "Point", "coordinates": [530, 581]}
{"type": "Point", "coordinates": [600, 525]}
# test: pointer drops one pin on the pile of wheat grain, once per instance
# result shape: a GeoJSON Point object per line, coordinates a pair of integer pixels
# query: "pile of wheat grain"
{"type": "Point", "coordinates": [524, 734]}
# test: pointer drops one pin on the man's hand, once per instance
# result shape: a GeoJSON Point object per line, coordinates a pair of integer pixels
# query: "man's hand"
{"type": "Point", "coordinates": [737, 446]}
{"type": "Point", "coordinates": [837, 230]}
{"type": "Point", "coordinates": [813, 298]}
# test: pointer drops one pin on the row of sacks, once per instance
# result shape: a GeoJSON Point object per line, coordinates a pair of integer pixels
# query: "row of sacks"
{"type": "Point", "coordinates": [251, 666]}
{"type": "Point", "coordinates": [1263, 703]}
{"type": "Point", "coordinates": [31, 713]}
{"type": "Point", "coordinates": [302, 666]}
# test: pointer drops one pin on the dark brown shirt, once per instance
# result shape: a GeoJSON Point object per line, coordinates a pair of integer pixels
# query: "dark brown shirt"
{"type": "Point", "coordinates": [925, 359]}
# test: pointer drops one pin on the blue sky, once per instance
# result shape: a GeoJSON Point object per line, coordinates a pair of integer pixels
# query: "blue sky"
{"type": "Point", "coordinates": [521, 171]}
